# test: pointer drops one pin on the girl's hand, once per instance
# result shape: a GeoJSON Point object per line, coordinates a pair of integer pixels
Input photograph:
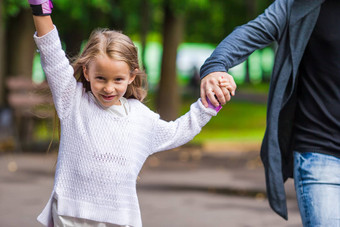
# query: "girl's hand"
{"type": "Point", "coordinates": [226, 84]}
{"type": "Point", "coordinates": [210, 105]}
{"type": "Point", "coordinates": [41, 7]}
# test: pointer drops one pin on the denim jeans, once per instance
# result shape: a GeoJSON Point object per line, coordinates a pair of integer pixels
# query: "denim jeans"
{"type": "Point", "coordinates": [317, 185]}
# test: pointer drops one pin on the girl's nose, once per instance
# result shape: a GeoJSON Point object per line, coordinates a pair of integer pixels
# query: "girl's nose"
{"type": "Point", "coordinates": [108, 89]}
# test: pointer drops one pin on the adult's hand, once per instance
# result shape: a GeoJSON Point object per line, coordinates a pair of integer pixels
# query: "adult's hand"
{"type": "Point", "coordinates": [211, 89]}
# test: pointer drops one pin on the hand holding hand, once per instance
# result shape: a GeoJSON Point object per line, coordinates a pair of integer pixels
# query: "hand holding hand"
{"type": "Point", "coordinates": [210, 105]}
{"type": "Point", "coordinates": [41, 7]}
{"type": "Point", "coordinates": [218, 87]}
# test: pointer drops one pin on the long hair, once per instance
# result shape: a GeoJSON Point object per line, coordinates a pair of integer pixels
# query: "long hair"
{"type": "Point", "coordinates": [116, 46]}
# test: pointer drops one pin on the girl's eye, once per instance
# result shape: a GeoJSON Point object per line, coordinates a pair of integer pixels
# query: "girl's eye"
{"type": "Point", "coordinates": [100, 78]}
{"type": "Point", "coordinates": [119, 79]}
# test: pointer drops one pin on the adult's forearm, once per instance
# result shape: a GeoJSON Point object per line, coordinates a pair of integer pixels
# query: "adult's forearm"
{"type": "Point", "coordinates": [247, 38]}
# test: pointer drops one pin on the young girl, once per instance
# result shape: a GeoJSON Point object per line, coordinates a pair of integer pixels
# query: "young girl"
{"type": "Point", "coordinates": [106, 132]}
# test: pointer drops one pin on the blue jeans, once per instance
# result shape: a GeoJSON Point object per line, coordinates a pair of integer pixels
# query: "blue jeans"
{"type": "Point", "coordinates": [317, 185]}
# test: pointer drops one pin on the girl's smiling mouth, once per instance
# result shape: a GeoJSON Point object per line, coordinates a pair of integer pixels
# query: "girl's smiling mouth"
{"type": "Point", "coordinates": [108, 97]}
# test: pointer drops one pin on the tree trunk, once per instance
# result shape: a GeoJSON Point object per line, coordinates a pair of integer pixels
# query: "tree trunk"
{"type": "Point", "coordinates": [247, 76]}
{"type": "Point", "coordinates": [20, 49]}
{"type": "Point", "coordinates": [251, 13]}
{"type": "Point", "coordinates": [19, 56]}
{"type": "Point", "coordinates": [145, 20]}
{"type": "Point", "coordinates": [2, 58]}
{"type": "Point", "coordinates": [250, 9]}
{"type": "Point", "coordinates": [168, 100]}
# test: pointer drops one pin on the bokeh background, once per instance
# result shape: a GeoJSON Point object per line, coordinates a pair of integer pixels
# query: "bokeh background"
{"type": "Point", "coordinates": [174, 37]}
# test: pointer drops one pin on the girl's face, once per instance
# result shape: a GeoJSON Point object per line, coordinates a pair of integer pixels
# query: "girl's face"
{"type": "Point", "coordinates": [108, 79]}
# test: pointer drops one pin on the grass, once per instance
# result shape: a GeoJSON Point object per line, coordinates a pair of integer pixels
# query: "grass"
{"type": "Point", "coordinates": [261, 88]}
{"type": "Point", "coordinates": [237, 121]}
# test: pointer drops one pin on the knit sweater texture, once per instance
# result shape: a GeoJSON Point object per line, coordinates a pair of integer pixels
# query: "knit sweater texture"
{"type": "Point", "coordinates": [101, 154]}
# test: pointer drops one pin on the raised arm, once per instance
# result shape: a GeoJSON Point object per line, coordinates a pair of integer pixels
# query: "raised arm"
{"type": "Point", "coordinates": [57, 68]}
{"type": "Point", "coordinates": [41, 10]}
{"type": "Point", "coordinates": [43, 25]}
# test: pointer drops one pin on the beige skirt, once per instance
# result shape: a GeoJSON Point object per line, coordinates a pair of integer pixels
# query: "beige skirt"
{"type": "Point", "coordinates": [66, 221]}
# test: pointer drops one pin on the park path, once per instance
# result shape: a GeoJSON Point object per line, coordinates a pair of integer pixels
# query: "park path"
{"type": "Point", "coordinates": [188, 186]}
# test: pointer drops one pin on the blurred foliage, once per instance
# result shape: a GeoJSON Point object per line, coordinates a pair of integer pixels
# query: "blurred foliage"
{"type": "Point", "coordinates": [210, 24]}
{"type": "Point", "coordinates": [207, 21]}
{"type": "Point", "coordinates": [82, 10]}
{"type": "Point", "coordinates": [13, 7]}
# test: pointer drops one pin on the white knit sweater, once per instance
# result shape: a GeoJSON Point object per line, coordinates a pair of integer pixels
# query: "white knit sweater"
{"type": "Point", "coordinates": [100, 154]}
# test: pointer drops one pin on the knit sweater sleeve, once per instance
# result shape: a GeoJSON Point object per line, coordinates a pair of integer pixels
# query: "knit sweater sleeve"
{"type": "Point", "coordinates": [59, 72]}
{"type": "Point", "coordinates": [168, 135]}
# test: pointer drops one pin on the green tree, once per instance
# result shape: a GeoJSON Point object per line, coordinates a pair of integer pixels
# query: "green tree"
{"type": "Point", "coordinates": [144, 27]}
{"type": "Point", "coordinates": [19, 51]}
{"type": "Point", "coordinates": [2, 54]}
{"type": "Point", "coordinates": [168, 99]}
{"type": "Point", "coordinates": [250, 14]}
{"type": "Point", "coordinates": [76, 19]}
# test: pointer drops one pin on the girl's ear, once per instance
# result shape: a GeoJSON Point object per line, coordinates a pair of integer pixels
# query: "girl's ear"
{"type": "Point", "coordinates": [133, 75]}
{"type": "Point", "coordinates": [86, 75]}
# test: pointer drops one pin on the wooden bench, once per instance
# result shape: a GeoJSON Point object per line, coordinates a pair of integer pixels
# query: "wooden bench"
{"type": "Point", "coordinates": [30, 103]}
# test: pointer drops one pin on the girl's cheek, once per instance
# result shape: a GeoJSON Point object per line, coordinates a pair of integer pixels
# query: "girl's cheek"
{"type": "Point", "coordinates": [124, 88]}
{"type": "Point", "coordinates": [97, 87]}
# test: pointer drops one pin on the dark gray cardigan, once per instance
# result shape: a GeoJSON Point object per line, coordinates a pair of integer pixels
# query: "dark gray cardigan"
{"type": "Point", "coordinates": [289, 23]}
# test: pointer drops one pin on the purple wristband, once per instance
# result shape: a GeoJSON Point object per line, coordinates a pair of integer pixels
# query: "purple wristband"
{"type": "Point", "coordinates": [37, 2]}
{"type": "Point", "coordinates": [210, 105]}
{"type": "Point", "coordinates": [41, 7]}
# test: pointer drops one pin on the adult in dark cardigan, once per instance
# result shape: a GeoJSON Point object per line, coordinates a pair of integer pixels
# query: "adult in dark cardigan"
{"type": "Point", "coordinates": [302, 136]}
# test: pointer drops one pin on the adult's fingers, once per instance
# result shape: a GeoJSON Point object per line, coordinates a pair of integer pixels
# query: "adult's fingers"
{"type": "Point", "coordinates": [208, 85]}
{"type": "Point", "coordinates": [220, 95]}
{"type": "Point", "coordinates": [232, 85]}
{"type": "Point", "coordinates": [211, 96]}
{"type": "Point", "coordinates": [230, 89]}
{"type": "Point", "coordinates": [226, 84]}
{"type": "Point", "coordinates": [203, 96]}
{"type": "Point", "coordinates": [226, 94]}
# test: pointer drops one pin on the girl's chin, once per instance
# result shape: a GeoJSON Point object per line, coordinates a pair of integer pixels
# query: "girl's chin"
{"type": "Point", "coordinates": [109, 103]}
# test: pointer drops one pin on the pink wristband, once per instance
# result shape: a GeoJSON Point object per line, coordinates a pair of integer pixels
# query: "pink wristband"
{"type": "Point", "coordinates": [37, 2]}
{"type": "Point", "coordinates": [210, 105]}
{"type": "Point", "coordinates": [41, 7]}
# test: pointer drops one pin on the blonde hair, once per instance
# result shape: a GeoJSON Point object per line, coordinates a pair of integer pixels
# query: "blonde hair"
{"type": "Point", "coordinates": [119, 47]}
